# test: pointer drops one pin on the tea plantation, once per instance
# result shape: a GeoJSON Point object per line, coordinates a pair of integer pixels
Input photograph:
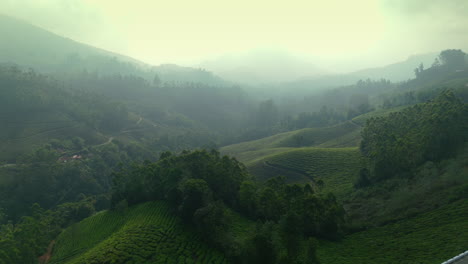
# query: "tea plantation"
{"type": "Point", "coordinates": [146, 233]}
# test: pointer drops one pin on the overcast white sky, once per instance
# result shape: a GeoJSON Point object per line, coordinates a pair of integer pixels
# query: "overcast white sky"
{"type": "Point", "coordinates": [361, 33]}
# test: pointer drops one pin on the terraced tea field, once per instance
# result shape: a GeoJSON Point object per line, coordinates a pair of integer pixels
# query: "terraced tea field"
{"type": "Point", "coordinates": [338, 168]}
{"type": "Point", "coordinates": [146, 233]}
{"type": "Point", "coordinates": [346, 134]}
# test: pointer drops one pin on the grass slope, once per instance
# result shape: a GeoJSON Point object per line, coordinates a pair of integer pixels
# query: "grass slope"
{"type": "Point", "coordinates": [146, 233]}
{"type": "Point", "coordinates": [430, 238]}
{"type": "Point", "coordinates": [346, 134]}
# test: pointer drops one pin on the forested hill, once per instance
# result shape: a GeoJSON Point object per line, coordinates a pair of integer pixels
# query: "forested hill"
{"type": "Point", "coordinates": [26, 45]}
{"type": "Point", "coordinates": [421, 148]}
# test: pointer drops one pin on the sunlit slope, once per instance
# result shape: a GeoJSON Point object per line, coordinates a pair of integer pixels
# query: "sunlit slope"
{"type": "Point", "coordinates": [146, 233]}
{"type": "Point", "coordinates": [338, 168]}
{"type": "Point", "coordinates": [430, 238]}
{"type": "Point", "coordinates": [342, 135]}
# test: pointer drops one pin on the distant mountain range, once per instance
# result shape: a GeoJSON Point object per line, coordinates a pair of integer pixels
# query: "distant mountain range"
{"type": "Point", "coordinates": [262, 66]}
{"type": "Point", "coordinates": [29, 46]}
{"type": "Point", "coordinates": [267, 67]}
{"type": "Point", "coordinates": [26, 45]}
{"type": "Point", "coordinates": [396, 72]}
{"type": "Point", "coordinates": [400, 71]}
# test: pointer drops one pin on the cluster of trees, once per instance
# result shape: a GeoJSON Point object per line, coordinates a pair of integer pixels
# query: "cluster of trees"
{"type": "Point", "coordinates": [448, 60]}
{"type": "Point", "coordinates": [221, 108]}
{"type": "Point", "coordinates": [60, 193]}
{"type": "Point", "coordinates": [333, 106]}
{"type": "Point", "coordinates": [205, 188]}
{"type": "Point", "coordinates": [429, 82]}
{"type": "Point", "coordinates": [26, 239]}
{"type": "Point", "coordinates": [26, 91]}
{"type": "Point", "coordinates": [40, 177]}
{"type": "Point", "coordinates": [325, 117]}
{"type": "Point", "coordinates": [448, 65]}
{"type": "Point", "coordinates": [399, 143]}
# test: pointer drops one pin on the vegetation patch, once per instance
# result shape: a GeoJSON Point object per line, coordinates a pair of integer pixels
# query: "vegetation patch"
{"type": "Point", "coordinates": [430, 238]}
{"type": "Point", "coordinates": [345, 135]}
{"type": "Point", "coordinates": [338, 168]}
{"type": "Point", "coordinates": [145, 233]}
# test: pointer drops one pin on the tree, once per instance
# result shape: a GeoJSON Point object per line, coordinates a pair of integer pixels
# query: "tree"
{"type": "Point", "coordinates": [310, 256]}
{"type": "Point", "coordinates": [156, 80]}
{"type": "Point", "coordinates": [212, 221]}
{"type": "Point", "coordinates": [195, 194]}
{"type": "Point", "coordinates": [247, 197]}
{"type": "Point", "coordinates": [452, 58]}
{"type": "Point", "coordinates": [363, 180]}
{"type": "Point", "coordinates": [419, 70]}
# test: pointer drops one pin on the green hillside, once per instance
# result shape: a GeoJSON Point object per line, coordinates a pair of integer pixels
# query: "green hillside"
{"type": "Point", "coordinates": [430, 238]}
{"type": "Point", "coordinates": [35, 110]}
{"type": "Point", "coordinates": [146, 233]}
{"type": "Point", "coordinates": [338, 168]}
{"type": "Point", "coordinates": [342, 135]}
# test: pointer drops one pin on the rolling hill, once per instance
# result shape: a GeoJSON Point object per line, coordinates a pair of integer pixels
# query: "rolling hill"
{"type": "Point", "coordinates": [396, 72]}
{"type": "Point", "coordinates": [329, 154]}
{"type": "Point", "coordinates": [342, 135]}
{"type": "Point", "coordinates": [262, 67]}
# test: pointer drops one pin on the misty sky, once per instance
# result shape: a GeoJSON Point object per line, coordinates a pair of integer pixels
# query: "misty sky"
{"type": "Point", "coordinates": [361, 33]}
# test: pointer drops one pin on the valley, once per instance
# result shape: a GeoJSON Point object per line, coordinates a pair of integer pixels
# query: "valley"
{"type": "Point", "coordinates": [108, 159]}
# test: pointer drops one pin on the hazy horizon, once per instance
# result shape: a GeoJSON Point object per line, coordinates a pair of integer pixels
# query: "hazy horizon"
{"type": "Point", "coordinates": [333, 35]}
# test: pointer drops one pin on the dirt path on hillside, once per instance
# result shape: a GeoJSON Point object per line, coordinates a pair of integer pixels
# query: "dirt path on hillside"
{"type": "Point", "coordinates": [354, 123]}
{"type": "Point", "coordinates": [8, 165]}
{"type": "Point", "coordinates": [105, 143]}
{"type": "Point", "coordinates": [44, 259]}
{"type": "Point", "coordinates": [109, 140]}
